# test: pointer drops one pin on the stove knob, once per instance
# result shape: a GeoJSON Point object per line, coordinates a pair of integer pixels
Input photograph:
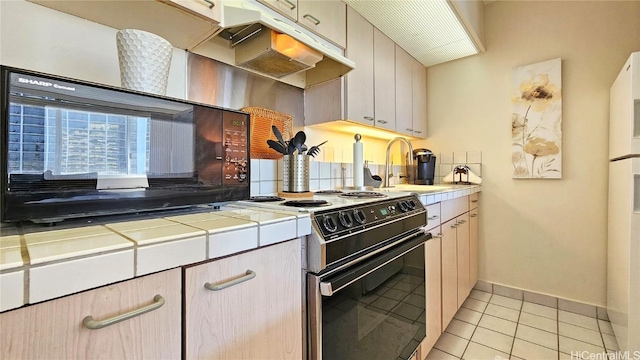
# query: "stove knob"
{"type": "Point", "coordinates": [329, 224]}
{"type": "Point", "coordinates": [359, 216]}
{"type": "Point", "coordinates": [412, 204]}
{"type": "Point", "coordinates": [345, 219]}
{"type": "Point", "coordinates": [403, 206]}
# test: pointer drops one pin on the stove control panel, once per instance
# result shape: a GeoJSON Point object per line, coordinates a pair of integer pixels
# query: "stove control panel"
{"type": "Point", "coordinates": [335, 223]}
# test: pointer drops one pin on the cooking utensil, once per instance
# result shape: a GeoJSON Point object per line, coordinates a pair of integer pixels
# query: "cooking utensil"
{"type": "Point", "coordinates": [315, 149]}
{"type": "Point", "coordinates": [291, 148]}
{"type": "Point", "coordinates": [278, 135]}
{"type": "Point", "coordinates": [299, 140]}
{"type": "Point", "coordinates": [277, 146]}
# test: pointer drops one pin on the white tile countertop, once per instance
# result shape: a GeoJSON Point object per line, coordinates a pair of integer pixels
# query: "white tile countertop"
{"type": "Point", "coordinates": [39, 263]}
{"type": "Point", "coordinates": [431, 194]}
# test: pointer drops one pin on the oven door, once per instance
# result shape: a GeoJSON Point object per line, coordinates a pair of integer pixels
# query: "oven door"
{"type": "Point", "coordinates": [373, 309]}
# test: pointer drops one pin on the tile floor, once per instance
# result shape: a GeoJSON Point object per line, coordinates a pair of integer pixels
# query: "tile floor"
{"type": "Point", "coordinates": [490, 326]}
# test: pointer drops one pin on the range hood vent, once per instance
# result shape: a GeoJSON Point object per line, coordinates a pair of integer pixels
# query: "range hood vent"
{"type": "Point", "coordinates": [267, 43]}
{"type": "Point", "coordinates": [270, 52]}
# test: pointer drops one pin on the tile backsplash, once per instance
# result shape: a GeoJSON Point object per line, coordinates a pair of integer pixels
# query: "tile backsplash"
{"type": "Point", "coordinates": [266, 174]}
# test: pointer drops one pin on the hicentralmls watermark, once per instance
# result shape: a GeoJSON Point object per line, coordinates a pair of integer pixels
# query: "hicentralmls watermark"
{"type": "Point", "coordinates": [612, 355]}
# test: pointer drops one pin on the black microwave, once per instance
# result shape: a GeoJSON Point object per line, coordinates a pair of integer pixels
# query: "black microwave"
{"type": "Point", "coordinates": [74, 149]}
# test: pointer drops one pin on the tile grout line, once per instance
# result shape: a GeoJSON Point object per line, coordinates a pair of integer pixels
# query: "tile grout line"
{"type": "Point", "coordinates": [475, 326]}
{"type": "Point", "coordinates": [517, 326]}
{"type": "Point", "coordinates": [558, 330]}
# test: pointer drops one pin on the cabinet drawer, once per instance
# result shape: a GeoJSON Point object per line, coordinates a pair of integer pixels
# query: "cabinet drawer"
{"type": "Point", "coordinates": [452, 208]}
{"type": "Point", "coordinates": [433, 216]}
{"type": "Point", "coordinates": [55, 329]}
{"type": "Point", "coordinates": [474, 200]}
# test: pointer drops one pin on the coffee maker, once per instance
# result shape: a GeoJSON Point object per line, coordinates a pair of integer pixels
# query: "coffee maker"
{"type": "Point", "coordinates": [424, 165]}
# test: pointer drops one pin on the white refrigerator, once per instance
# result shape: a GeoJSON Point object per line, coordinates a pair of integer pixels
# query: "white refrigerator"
{"type": "Point", "coordinates": [623, 266]}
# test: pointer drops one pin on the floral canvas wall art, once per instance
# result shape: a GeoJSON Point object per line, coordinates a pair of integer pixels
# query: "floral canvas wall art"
{"type": "Point", "coordinates": [536, 122]}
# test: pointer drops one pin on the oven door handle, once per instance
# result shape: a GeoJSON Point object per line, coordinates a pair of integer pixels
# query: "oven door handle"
{"type": "Point", "coordinates": [337, 282]}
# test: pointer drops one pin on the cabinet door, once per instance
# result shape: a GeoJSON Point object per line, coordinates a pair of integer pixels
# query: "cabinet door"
{"type": "Point", "coordinates": [462, 240]}
{"type": "Point", "coordinates": [419, 95]}
{"type": "Point", "coordinates": [209, 9]}
{"type": "Point", "coordinates": [473, 248]}
{"type": "Point", "coordinates": [54, 329]}
{"type": "Point", "coordinates": [327, 18]}
{"type": "Point", "coordinates": [260, 318]}
{"type": "Point", "coordinates": [434, 290]}
{"type": "Point", "coordinates": [359, 81]}
{"type": "Point", "coordinates": [288, 8]}
{"type": "Point", "coordinates": [449, 272]}
{"type": "Point", "coordinates": [384, 80]}
{"type": "Point", "coordinates": [404, 90]}
{"type": "Point", "coordinates": [184, 23]}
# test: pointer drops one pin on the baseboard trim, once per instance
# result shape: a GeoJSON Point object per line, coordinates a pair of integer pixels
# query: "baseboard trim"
{"type": "Point", "coordinates": [544, 299]}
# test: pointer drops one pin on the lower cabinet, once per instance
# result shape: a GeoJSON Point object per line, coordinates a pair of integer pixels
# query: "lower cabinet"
{"type": "Point", "coordinates": [449, 272]}
{"type": "Point", "coordinates": [61, 328]}
{"type": "Point", "coordinates": [473, 248]}
{"type": "Point", "coordinates": [452, 263]}
{"type": "Point", "coordinates": [247, 306]}
{"type": "Point", "coordinates": [434, 291]}
{"type": "Point", "coordinates": [462, 242]}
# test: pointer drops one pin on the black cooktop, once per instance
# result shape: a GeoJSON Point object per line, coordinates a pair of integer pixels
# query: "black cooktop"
{"type": "Point", "coordinates": [363, 195]}
{"type": "Point", "coordinates": [265, 198]}
{"type": "Point", "coordinates": [306, 203]}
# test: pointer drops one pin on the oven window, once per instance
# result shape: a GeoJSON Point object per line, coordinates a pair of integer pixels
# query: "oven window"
{"type": "Point", "coordinates": [380, 316]}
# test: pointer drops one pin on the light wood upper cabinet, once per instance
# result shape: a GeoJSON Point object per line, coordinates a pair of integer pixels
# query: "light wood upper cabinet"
{"type": "Point", "coordinates": [419, 99]}
{"type": "Point", "coordinates": [209, 9]}
{"type": "Point", "coordinates": [184, 23]}
{"type": "Point", "coordinates": [327, 18]}
{"type": "Point", "coordinates": [55, 330]}
{"type": "Point", "coordinates": [411, 95]}
{"type": "Point", "coordinates": [288, 8]}
{"type": "Point", "coordinates": [360, 81]}
{"type": "Point", "coordinates": [384, 80]}
{"type": "Point", "coordinates": [404, 92]}
{"type": "Point", "coordinates": [260, 318]}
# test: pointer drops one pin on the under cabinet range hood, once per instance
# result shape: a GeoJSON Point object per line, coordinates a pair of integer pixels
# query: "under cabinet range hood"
{"type": "Point", "coordinates": [268, 43]}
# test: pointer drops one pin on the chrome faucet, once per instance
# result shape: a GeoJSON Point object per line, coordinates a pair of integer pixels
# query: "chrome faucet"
{"type": "Point", "coordinates": [387, 173]}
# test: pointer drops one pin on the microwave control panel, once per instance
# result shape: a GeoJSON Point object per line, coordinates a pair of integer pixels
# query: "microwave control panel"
{"type": "Point", "coordinates": [236, 149]}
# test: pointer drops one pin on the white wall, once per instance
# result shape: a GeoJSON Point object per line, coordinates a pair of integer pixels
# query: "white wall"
{"type": "Point", "coordinates": [546, 236]}
{"type": "Point", "coordinates": [37, 38]}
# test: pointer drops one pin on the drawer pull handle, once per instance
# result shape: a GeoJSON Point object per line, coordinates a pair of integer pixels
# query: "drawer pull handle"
{"type": "Point", "coordinates": [454, 226]}
{"type": "Point", "coordinates": [382, 121]}
{"type": "Point", "coordinates": [92, 324]}
{"type": "Point", "coordinates": [417, 131]}
{"type": "Point", "coordinates": [293, 6]}
{"type": "Point", "coordinates": [211, 3]}
{"type": "Point", "coordinates": [368, 118]}
{"type": "Point", "coordinates": [439, 236]}
{"type": "Point", "coordinates": [433, 217]}
{"type": "Point", "coordinates": [474, 201]}
{"type": "Point", "coordinates": [462, 221]}
{"type": "Point", "coordinates": [473, 215]}
{"type": "Point", "coordinates": [248, 276]}
{"type": "Point", "coordinates": [409, 129]}
{"type": "Point", "coordinates": [312, 18]}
